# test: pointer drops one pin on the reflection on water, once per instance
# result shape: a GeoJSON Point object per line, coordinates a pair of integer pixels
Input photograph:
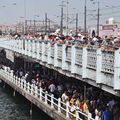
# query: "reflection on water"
{"type": "Point", "coordinates": [17, 108]}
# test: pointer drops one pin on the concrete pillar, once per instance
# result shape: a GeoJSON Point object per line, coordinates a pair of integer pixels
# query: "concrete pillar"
{"type": "Point", "coordinates": [84, 63]}
{"type": "Point", "coordinates": [55, 55]}
{"type": "Point", "coordinates": [38, 47]}
{"type": "Point", "coordinates": [43, 52]}
{"type": "Point", "coordinates": [73, 57]}
{"type": "Point", "coordinates": [33, 48]}
{"type": "Point", "coordinates": [49, 61]}
{"type": "Point", "coordinates": [117, 70]}
{"type": "Point", "coordinates": [29, 48]}
{"type": "Point", "coordinates": [26, 45]}
{"type": "Point", "coordinates": [64, 57]}
{"type": "Point", "coordinates": [99, 67]}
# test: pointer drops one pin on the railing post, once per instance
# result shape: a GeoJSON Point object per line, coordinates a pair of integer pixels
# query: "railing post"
{"type": "Point", "coordinates": [32, 89]}
{"type": "Point", "coordinates": [46, 97]}
{"type": "Point", "coordinates": [89, 116]}
{"type": "Point", "coordinates": [16, 78]}
{"type": "Point", "coordinates": [36, 91]}
{"type": "Point", "coordinates": [77, 115]}
{"type": "Point", "coordinates": [40, 93]}
{"type": "Point", "coordinates": [28, 87]}
{"type": "Point", "coordinates": [67, 110]}
{"type": "Point", "coordinates": [52, 101]}
{"type": "Point", "coordinates": [24, 84]}
{"type": "Point", "coordinates": [19, 81]}
{"type": "Point", "coordinates": [59, 105]}
{"type": "Point", "coordinates": [84, 63]}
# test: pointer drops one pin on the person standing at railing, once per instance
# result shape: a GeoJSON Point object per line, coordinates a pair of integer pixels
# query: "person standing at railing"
{"type": "Point", "coordinates": [52, 88]}
{"type": "Point", "coordinates": [106, 114]}
{"type": "Point", "coordinates": [86, 108]}
{"type": "Point", "coordinates": [65, 96]}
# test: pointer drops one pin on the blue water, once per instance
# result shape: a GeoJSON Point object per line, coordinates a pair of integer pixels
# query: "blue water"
{"type": "Point", "coordinates": [17, 108]}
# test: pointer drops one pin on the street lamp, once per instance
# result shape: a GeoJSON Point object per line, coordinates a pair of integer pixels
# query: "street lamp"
{"type": "Point", "coordinates": [85, 11]}
{"type": "Point", "coordinates": [67, 17]}
{"type": "Point", "coordinates": [98, 16]}
{"type": "Point", "coordinates": [61, 23]}
{"type": "Point", "coordinates": [34, 22]}
{"type": "Point", "coordinates": [24, 16]}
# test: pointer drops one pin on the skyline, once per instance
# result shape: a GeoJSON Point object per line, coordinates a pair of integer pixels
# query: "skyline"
{"type": "Point", "coordinates": [13, 11]}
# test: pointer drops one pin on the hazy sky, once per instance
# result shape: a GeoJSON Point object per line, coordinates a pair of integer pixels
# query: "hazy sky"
{"type": "Point", "coordinates": [11, 11]}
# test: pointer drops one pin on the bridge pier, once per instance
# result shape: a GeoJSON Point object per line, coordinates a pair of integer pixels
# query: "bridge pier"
{"type": "Point", "coordinates": [3, 84]}
{"type": "Point", "coordinates": [14, 93]}
{"type": "Point", "coordinates": [31, 109]}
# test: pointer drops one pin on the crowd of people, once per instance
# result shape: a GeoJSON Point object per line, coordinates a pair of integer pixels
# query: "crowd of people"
{"type": "Point", "coordinates": [94, 101]}
{"type": "Point", "coordinates": [108, 42]}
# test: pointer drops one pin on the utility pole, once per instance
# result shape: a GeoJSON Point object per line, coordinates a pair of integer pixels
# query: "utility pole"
{"type": "Point", "coordinates": [76, 23]}
{"type": "Point", "coordinates": [24, 16]}
{"type": "Point", "coordinates": [67, 17]}
{"type": "Point", "coordinates": [85, 11]}
{"type": "Point", "coordinates": [98, 18]}
{"type": "Point", "coordinates": [61, 24]}
{"type": "Point", "coordinates": [49, 25]}
{"type": "Point", "coordinates": [45, 23]}
{"type": "Point", "coordinates": [34, 24]}
{"type": "Point", "coordinates": [24, 23]}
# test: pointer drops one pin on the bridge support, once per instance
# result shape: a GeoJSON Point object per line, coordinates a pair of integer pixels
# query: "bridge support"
{"type": "Point", "coordinates": [14, 93]}
{"type": "Point", "coordinates": [31, 109]}
{"type": "Point", "coordinates": [3, 84]}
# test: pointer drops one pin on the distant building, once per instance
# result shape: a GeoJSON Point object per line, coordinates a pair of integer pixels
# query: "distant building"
{"type": "Point", "coordinates": [109, 29]}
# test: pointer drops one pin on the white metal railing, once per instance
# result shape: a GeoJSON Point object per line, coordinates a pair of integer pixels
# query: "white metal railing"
{"type": "Point", "coordinates": [43, 96]}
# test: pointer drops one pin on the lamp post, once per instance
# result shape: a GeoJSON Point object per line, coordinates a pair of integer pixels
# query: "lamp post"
{"type": "Point", "coordinates": [24, 16]}
{"type": "Point", "coordinates": [67, 17]}
{"type": "Point", "coordinates": [61, 23]}
{"type": "Point", "coordinates": [85, 11]}
{"type": "Point", "coordinates": [98, 18]}
{"type": "Point", "coordinates": [98, 15]}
